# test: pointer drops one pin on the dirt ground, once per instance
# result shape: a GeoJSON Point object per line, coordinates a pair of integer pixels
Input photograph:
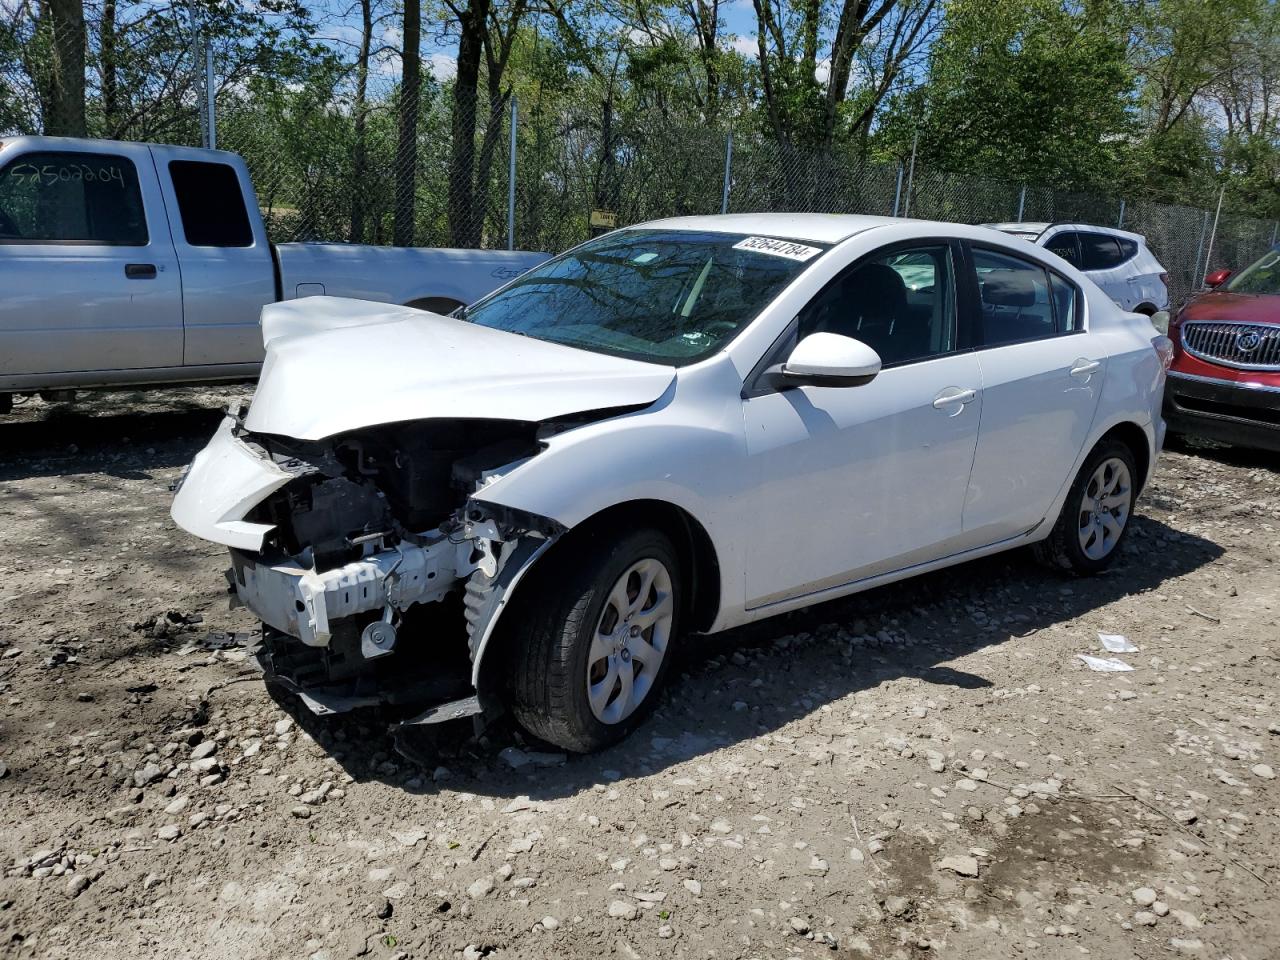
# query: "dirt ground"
{"type": "Point", "coordinates": [926, 769]}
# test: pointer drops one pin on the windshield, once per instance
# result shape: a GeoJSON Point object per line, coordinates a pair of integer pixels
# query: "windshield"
{"type": "Point", "coordinates": [1262, 278]}
{"type": "Point", "coordinates": [662, 296]}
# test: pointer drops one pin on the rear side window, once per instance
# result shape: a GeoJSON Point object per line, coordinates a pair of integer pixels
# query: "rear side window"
{"type": "Point", "coordinates": [1066, 307]}
{"type": "Point", "coordinates": [64, 197]}
{"type": "Point", "coordinates": [1098, 251]}
{"type": "Point", "coordinates": [1015, 297]}
{"type": "Point", "coordinates": [1128, 248]}
{"type": "Point", "coordinates": [1065, 246]}
{"type": "Point", "coordinates": [211, 204]}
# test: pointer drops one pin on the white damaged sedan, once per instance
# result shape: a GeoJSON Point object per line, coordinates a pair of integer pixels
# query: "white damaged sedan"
{"type": "Point", "coordinates": [678, 427]}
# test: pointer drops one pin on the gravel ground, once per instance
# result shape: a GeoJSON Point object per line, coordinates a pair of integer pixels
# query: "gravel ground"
{"type": "Point", "coordinates": [924, 769]}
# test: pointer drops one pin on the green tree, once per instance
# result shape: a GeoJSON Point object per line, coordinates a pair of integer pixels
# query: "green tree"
{"type": "Point", "coordinates": [1031, 90]}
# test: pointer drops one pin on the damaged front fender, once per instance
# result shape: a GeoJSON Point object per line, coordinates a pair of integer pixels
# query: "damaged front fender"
{"type": "Point", "coordinates": [224, 482]}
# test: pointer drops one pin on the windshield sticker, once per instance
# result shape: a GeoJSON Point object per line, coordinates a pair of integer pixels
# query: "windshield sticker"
{"type": "Point", "coordinates": [778, 248]}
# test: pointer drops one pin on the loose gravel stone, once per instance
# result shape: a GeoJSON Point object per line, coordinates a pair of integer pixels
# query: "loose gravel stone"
{"type": "Point", "coordinates": [623, 910]}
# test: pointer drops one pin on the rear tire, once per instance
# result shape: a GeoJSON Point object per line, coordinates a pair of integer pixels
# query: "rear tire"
{"type": "Point", "coordinates": [594, 644]}
{"type": "Point", "coordinates": [1096, 513]}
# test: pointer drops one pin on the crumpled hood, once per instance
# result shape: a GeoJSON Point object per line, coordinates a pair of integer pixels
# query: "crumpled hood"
{"type": "Point", "coordinates": [335, 365]}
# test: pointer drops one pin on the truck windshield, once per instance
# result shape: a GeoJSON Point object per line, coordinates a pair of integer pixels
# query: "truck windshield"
{"type": "Point", "coordinates": [662, 296]}
{"type": "Point", "coordinates": [1261, 278]}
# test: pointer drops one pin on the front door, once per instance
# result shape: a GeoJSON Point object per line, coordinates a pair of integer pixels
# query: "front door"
{"type": "Point", "coordinates": [849, 482]}
{"type": "Point", "coordinates": [88, 270]}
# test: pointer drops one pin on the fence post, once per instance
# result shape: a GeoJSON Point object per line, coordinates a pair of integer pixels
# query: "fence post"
{"type": "Point", "coordinates": [1120, 222]}
{"type": "Point", "coordinates": [728, 171]}
{"type": "Point", "coordinates": [911, 176]}
{"type": "Point", "coordinates": [897, 191]}
{"type": "Point", "coordinates": [1274, 228]}
{"type": "Point", "coordinates": [209, 94]}
{"type": "Point", "coordinates": [511, 178]}
{"type": "Point", "coordinates": [1022, 201]}
{"type": "Point", "coordinates": [1195, 271]}
{"type": "Point", "coordinates": [1214, 232]}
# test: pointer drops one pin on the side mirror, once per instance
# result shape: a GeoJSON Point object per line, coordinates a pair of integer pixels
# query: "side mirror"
{"type": "Point", "coordinates": [1217, 278]}
{"type": "Point", "coordinates": [826, 360]}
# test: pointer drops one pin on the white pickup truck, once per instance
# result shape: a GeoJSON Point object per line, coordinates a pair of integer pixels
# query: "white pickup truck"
{"type": "Point", "coordinates": [132, 263]}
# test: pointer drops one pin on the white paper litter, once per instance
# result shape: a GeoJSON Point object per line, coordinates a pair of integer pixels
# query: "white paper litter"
{"type": "Point", "coordinates": [1115, 643]}
{"type": "Point", "coordinates": [1104, 664]}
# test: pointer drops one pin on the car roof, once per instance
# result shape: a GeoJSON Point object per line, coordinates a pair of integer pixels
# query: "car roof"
{"type": "Point", "coordinates": [1039, 228]}
{"type": "Point", "coordinates": [1033, 227]}
{"type": "Point", "coordinates": [817, 227]}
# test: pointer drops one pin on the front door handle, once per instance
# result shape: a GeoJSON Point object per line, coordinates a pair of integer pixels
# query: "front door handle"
{"type": "Point", "coordinates": [1083, 369]}
{"type": "Point", "coordinates": [954, 397]}
{"type": "Point", "coordinates": [140, 271]}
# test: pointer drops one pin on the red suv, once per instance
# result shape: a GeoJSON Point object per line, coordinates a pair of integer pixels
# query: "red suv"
{"type": "Point", "coordinates": [1225, 379]}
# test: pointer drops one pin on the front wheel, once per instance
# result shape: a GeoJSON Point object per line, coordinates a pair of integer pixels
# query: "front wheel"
{"type": "Point", "coordinates": [1095, 516]}
{"type": "Point", "coordinates": [593, 647]}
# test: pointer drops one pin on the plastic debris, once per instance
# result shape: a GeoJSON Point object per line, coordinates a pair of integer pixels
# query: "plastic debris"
{"type": "Point", "coordinates": [1104, 664]}
{"type": "Point", "coordinates": [1115, 643]}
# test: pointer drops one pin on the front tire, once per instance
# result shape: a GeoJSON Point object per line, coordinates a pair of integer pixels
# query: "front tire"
{"type": "Point", "coordinates": [593, 647]}
{"type": "Point", "coordinates": [1095, 516]}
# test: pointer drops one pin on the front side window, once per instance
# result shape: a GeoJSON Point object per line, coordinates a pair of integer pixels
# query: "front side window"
{"type": "Point", "coordinates": [65, 197]}
{"type": "Point", "coordinates": [1015, 298]}
{"type": "Point", "coordinates": [901, 304]}
{"type": "Point", "coordinates": [211, 204]}
{"type": "Point", "coordinates": [1098, 251]}
{"type": "Point", "coordinates": [1262, 277]}
{"type": "Point", "coordinates": [1065, 246]}
{"type": "Point", "coordinates": [662, 296]}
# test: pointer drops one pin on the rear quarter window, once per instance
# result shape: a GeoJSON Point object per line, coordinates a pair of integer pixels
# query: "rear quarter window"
{"type": "Point", "coordinates": [210, 204]}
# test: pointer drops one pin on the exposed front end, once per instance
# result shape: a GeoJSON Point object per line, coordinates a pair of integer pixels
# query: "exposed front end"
{"type": "Point", "coordinates": [375, 573]}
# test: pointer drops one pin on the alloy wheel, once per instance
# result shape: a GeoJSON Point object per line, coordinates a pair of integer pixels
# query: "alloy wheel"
{"type": "Point", "coordinates": [1104, 508]}
{"type": "Point", "coordinates": [630, 641]}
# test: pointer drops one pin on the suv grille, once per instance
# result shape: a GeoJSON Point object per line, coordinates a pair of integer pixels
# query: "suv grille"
{"type": "Point", "coordinates": [1249, 346]}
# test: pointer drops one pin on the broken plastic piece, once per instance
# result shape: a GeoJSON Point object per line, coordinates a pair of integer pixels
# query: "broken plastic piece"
{"type": "Point", "coordinates": [1104, 664]}
{"type": "Point", "coordinates": [1116, 643]}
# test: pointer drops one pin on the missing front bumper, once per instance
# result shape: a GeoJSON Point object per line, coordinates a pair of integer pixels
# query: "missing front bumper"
{"type": "Point", "coordinates": [305, 603]}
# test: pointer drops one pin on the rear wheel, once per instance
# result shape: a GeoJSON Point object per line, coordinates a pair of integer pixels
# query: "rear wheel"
{"type": "Point", "coordinates": [592, 653]}
{"type": "Point", "coordinates": [1095, 516]}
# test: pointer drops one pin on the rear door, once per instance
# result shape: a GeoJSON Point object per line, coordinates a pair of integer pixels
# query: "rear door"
{"type": "Point", "coordinates": [1100, 258]}
{"type": "Point", "coordinates": [228, 274]}
{"type": "Point", "coordinates": [1042, 374]}
{"type": "Point", "coordinates": [88, 274]}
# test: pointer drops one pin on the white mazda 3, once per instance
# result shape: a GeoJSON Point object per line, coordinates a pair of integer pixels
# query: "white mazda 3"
{"type": "Point", "coordinates": [675, 428]}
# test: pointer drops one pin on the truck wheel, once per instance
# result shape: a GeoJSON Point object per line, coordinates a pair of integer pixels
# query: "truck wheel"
{"type": "Point", "coordinates": [593, 650]}
{"type": "Point", "coordinates": [1095, 515]}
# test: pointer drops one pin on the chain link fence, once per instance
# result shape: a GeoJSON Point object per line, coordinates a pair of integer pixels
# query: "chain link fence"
{"type": "Point", "coordinates": [318, 178]}
{"type": "Point", "coordinates": [338, 163]}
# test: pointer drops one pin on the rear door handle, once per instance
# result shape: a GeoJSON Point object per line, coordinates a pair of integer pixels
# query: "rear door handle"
{"type": "Point", "coordinates": [140, 271]}
{"type": "Point", "coordinates": [1083, 369]}
{"type": "Point", "coordinates": [954, 397]}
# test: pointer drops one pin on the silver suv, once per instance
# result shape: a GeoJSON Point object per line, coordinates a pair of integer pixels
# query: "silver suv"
{"type": "Point", "coordinates": [1118, 261]}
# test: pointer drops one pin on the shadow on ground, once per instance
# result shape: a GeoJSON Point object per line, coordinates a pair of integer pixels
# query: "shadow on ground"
{"type": "Point", "coordinates": [696, 715]}
{"type": "Point", "coordinates": [119, 434]}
